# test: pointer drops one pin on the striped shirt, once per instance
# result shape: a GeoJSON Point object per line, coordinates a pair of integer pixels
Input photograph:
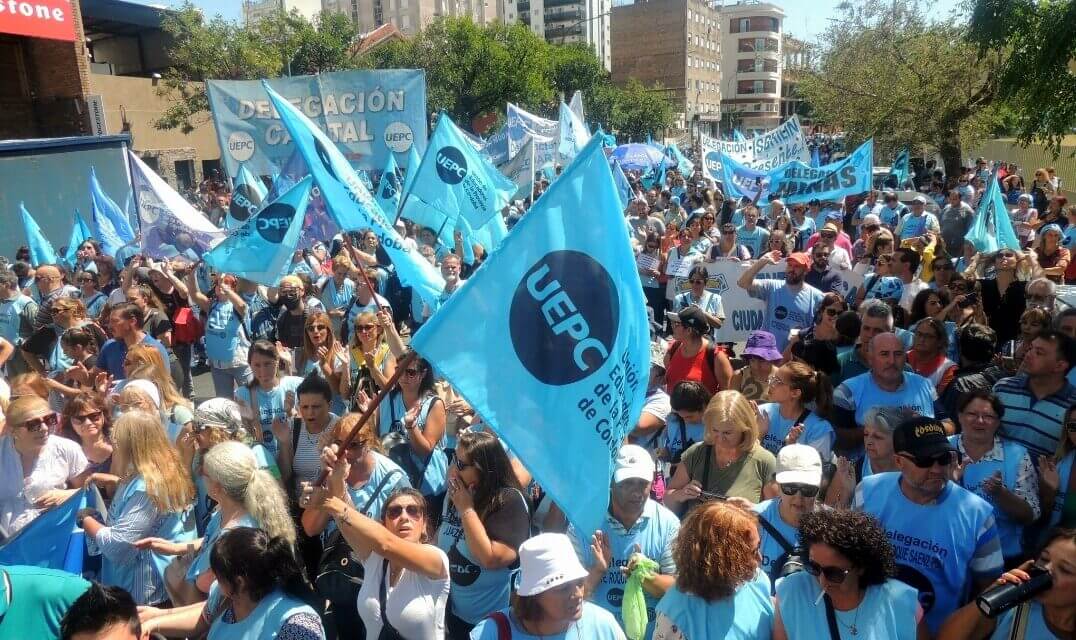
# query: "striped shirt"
{"type": "Point", "coordinates": [1035, 423]}
{"type": "Point", "coordinates": [139, 519]}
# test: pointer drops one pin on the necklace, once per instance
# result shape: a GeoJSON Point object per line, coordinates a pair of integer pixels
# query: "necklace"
{"type": "Point", "coordinates": [852, 628]}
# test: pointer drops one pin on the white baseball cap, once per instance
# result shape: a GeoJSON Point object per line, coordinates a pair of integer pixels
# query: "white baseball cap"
{"type": "Point", "coordinates": [633, 461]}
{"type": "Point", "coordinates": [799, 464]}
{"type": "Point", "coordinates": [146, 387]}
{"type": "Point", "coordinates": [546, 561]}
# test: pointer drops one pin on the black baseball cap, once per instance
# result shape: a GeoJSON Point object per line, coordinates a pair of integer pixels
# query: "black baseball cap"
{"type": "Point", "coordinates": [921, 437]}
{"type": "Point", "coordinates": [690, 317]}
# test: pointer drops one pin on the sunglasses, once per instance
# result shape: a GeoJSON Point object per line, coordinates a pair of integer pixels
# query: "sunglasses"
{"type": "Point", "coordinates": [317, 327]}
{"type": "Point", "coordinates": [776, 381]}
{"type": "Point", "coordinates": [461, 465]}
{"type": "Point", "coordinates": [707, 217]}
{"type": "Point", "coordinates": [363, 328]}
{"type": "Point", "coordinates": [830, 311]}
{"type": "Point", "coordinates": [396, 510]}
{"type": "Point", "coordinates": [943, 267]}
{"type": "Point", "coordinates": [836, 575]}
{"type": "Point", "coordinates": [412, 373]}
{"type": "Point", "coordinates": [943, 459]}
{"type": "Point", "coordinates": [805, 490]}
{"type": "Point", "coordinates": [93, 416]}
{"type": "Point", "coordinates": [33, 424]}
{"type": "Point", "coordinates": [828, 236]}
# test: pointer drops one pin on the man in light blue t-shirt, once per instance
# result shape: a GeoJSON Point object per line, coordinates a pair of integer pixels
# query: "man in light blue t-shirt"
{"type": "Point", "coordinates": [886, 384]}
{"type": "Point", "coordinates": [789, 305]}
{"type": "Point", "coordinates": [944, 537]}
{"type": "Point", "coordinates": [750, 235]}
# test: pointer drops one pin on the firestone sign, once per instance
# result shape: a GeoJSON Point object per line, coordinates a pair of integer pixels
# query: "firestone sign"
{"type": "Point", "coordinates": [52, 19]}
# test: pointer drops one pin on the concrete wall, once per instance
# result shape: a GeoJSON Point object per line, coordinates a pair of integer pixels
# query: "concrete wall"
{"type": "Point", "coordinates": [143, 106]}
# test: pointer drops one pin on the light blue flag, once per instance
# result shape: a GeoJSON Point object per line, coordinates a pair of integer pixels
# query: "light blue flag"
{"type": "Point", "coordinates": [796, 182]}
{"type": "Point", "coordinates": [655, 176]}
{"type": "Point", "coordinates": [389, 188]}
{"type": "Point", "coordinates": [41, 251]}
{"type": "Point", "coordinates": [816, 161]}
{"type": "Point", "coordinates": [456, 180]}
{"type": "Point", "coordinates": [47, 540]}
{"type": "Point", "coordinates": [261, 250]}
{"type": "Point", "coordinates": [248, 194]}
{"type": "Point", "coordinates": [992, 229]}
{"type": "Point", "coordinates": [350, 203]}
{"type": "Point", "coordinates": [623, 187]}
{"type": "Point", "coordinates": [103, 205]}
{"type": "Point", "coordinates": [685, 166]}
{"type": "Point", "coordinates": [737, 136]}
{"type": "Point", "coordinates": [105, 233]}
{"type": "Point", "coordinates": [573, 134]}
{"type": "Point", "coordinates": [549, 340]}
{"type": "Point", "coordinates": [900, 170]}
{"type": "Point", "coordinates": [80, 233]}
{"type": "Point", "coordinates": [496, 147]}
{"type": "Point", "coordinates": [366, 181]}
{"type": "Point", "coordinates": [413, 162]}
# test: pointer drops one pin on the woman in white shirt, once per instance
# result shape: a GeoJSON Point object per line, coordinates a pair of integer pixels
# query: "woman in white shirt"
{"type": "Point", "coordinates": [406, 583]}
{"type": "Point", "coordinates": [38, 471]}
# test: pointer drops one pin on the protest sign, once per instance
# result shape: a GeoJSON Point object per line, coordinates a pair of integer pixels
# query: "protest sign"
{"type": "Point", "coordinates": [763, 152]}
{"type": "Point", "coordinates": [369, 114]}
{"type": "Point", "coordinates": [797, 182]}
{"type": "Point", "coordinates": [546, 134]}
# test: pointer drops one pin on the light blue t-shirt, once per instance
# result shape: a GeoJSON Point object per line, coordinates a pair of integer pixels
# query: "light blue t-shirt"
{"type": "Point", "coordinates": [213, 531]}
{"type": "Point", "coordinates": [941, 548]}
{"type": "Point", "coordinates": [674, 441]}
{"type": "Point", "coordinates": [654, 532]}
{"type": "Point", "coordinates": [270, 407]}
{"type": "Point", "coordinates": [596, 624]}
{"type": "Point", "coordinates": [773, 552]}
{"type": "Point", "coordinates": [1064, 471]}
{"type": "Point", "coordinates": [785, 309]}
{"type": "Point", "coordinates": [887, 611]}
{"type": "Point", "coordinates": [755, 240]}
{"type": "Point", "coordinates": [913, 225]}
{"type": "Point", "coordinates": [804, 231]}
{"type": "Point", "coordinates": [1036, 625]}
{"type": "Point", "coordinates": [746, 615]}
{"type": "Point", "coordinates": [383, 467]}
{"type": "Point", "coordinates": [891, 216]}
{"type": "Point", "coordinates": [861, 393]}
{"type": "Point", "coordinates": [817, 431]}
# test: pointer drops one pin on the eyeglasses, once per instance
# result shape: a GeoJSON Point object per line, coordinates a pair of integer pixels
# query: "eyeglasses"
{"type": "Point", "coordinates": [317, 327]}
{"type": "Point", "coordinates": [830, 311]}
{"type": "Point", "coordinates": [461, 465]}
{"type": "Point", "coordinates": [805, 490]}
{"type": "Point", "coordinates": [945, 266]}
{"type": "Point", "coordinates": [943, 459]}
{"type": "Point", "coordinates": [828, 236]}
{"type": "Point", "coordinates": [86, 280]}
{"type": "Point", "coordinates": [836, 575]}
{"type": "Point", "coordinates": [707, 217]}
{"type": "Point", "coordinates": [396, 510]}
{"type": "Point", "coordinates": [33, 424]}
{"type": "Point", "coordinates": [412, 373]}
{"type": "Point", "coordinates": [980, 417]}
{"type": "Point", "coordinates": [364, 328]}
{"type": "Point", "coordinates": [93, 416]}
{"type": "Point", "coordinates": [697, 281]}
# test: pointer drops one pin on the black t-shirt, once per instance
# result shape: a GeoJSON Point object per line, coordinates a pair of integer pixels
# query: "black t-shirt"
{"type": "Point", "coordinates": [156, 324]}
{"type": "Point", "coordinates": [289, 328]}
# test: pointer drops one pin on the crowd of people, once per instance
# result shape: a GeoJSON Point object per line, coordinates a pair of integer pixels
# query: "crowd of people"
{"type": "Point", "coordinates": [866, 465]}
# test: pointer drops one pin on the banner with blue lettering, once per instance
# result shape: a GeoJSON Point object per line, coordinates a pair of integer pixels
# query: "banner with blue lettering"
{"type": "Point", "coordinates": [248, 194]}
{"type": "Point", "coordinates": [389, 189]}
{"type": "Point", "coordinates": [261, 250]}
{"type": "Point", "coordinates": [102, 204]}
{"type": "Point", "coordinates": [992, 228]}
{"type": "Point", "coordinates": [796, 182]}
{"type": "Point", "coordinates": [41, 251]}
{"type": "Point", "coordinates": [171, 227]}
{"type": "Point", "coordinates": [549, 340]}
{"type": "Point", "coordinates": [80, 233]}
{"type": "Point", "coordinates": [766, 151]}
{"type": "Point", "coordinates": [52, 540]}
{"type": "Point", "coordinates": [455, 179]}
{"type": "Point", "coordinates": [546, 134]}
{"type": "Point", "coordinates": [369, 114]}
{"type": "Point", "coordinates": [318, 226]}
{"type": "Point", "coordinates": [350, 203]}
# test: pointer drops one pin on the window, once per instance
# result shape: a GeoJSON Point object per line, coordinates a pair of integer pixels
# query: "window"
{"type": "Point", "coordinates": [405, 22]}
{"type": "Point", "coordinates": [745, 24]}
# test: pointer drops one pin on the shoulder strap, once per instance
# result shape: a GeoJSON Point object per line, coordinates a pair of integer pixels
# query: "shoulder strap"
{"type": "Point", "coordinates": [803, 416]}
{"type": "Point", "coordinates": [296, 427]}
{"type": "Point", "coordinates": [772, 530]}
{"type": "Point", "coordinates": [1020, 621]}
{"type": "Point", "coordinates": [504, 630]}
{"type": "Point", "coordinates": [683, 434]}
{"type": "Point", "coordinates": [344, 329]}
{"type": "Point", "coordinates": [377, 490]}
{"type": "Point", "coordinates": [831, 619]}
{"type": "Point", "coordinates": [709, 452]}
{"type": "Point", "coordinates": [382, 595]}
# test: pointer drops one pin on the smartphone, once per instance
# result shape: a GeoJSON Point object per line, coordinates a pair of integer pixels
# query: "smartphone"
{"type": "Point", "coordinates": [970, 300]}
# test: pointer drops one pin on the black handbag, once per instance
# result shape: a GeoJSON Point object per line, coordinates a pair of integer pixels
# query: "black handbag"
{"type": "Point", "coordinates": [340, 574]}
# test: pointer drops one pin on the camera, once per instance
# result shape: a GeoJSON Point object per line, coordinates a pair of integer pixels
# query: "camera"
{"type": "Point", "coordinates": [997, 600]}
{"type": "Point", "coordinates": [970, 300]}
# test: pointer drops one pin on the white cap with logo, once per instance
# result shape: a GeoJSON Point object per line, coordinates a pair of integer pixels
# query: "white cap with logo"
{"type": "Point", "coordinates": [546, 561]}
{"type": "Point", "coordinates": [799, 464]}
{"type": "Point", "coordinates": [633, 461]}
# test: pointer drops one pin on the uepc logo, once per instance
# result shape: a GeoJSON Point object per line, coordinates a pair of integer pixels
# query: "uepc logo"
{"type": "Point", "coordinates": [274, 220]}
{"type": "Point", "coordinates": [242, 206]}
{"type": "Point", "coordinates": [564, 318]}
{"type": "Point", "coordinates": [389, 186]}
{"type": "Point", "coordinates": [451, 165]}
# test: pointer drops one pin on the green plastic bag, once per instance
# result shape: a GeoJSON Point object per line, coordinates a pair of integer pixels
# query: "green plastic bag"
{"type": "Point", "coordinates": [633, 607]}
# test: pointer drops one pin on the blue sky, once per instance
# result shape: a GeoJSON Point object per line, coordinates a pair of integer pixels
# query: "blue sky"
{"type": "Point", "coordinates": [810, 17]}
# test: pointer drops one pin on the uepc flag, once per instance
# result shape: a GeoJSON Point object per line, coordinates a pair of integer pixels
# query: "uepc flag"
{"type": "Point", "coordinates": [900, 169]}
{"type": "Point", "coordinates": [80, 233]}
{"type": "Point", "coordinates": [389, 189]}
{"type": "Point", "coordinates": [171, 227]}
{"type": "Point", "coordinates": [47, 540]}
{"type": "Point", "coordinates": [520, 169]}
{"type": "Point", "coordinates": [992, 228]}
{"type": "Point", "coordinates": [41, 251]}
{"type": "Point", "coordinates": [248, 194]}
{"type": "Point", "coordinates": [350, 203]}
{"type": "Point", "coordinates": [683, 165]}
{"type": "Point", "coordinates": [798, 182]}
{"type": "Point", "coordinates": [549, 340]}
{"type": "Point", "coordinates": [103, 205]}
{"type": "Point", "coordinates": [261, 250]}
{"type": "Point", "coordinates": [456, 179]}
{"type": "Point", "coordinates": [573, 133]}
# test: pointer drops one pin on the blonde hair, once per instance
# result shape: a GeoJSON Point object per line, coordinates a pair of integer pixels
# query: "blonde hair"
{"type": "Point", "coordinates": [234, 467]}
{"type": "Point", "coordinates": [341, 260]}
{"type": "Point", "coordinates": [365, 316]}
{"type": "Point", "coordinates": [131, 394]}
{"type": "Point", "coordinates": [26, 408]}
{"type": "Point", "coordinates": [152, 367]}
{"type": "Point", "coordinates": [733, 407]}
{"type": "Point", "coordinates": [74, 304]}
{"type": "Point", "coordinates": [29, 384]}
{"type": "Point", "coordinates": [339, 431]}
{"type": "Point", "coordinates": [142, 445]}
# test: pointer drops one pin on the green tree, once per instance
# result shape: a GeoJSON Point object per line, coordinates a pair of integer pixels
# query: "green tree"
{"type": "Point", "coordinates": [888, 73]}
{"type": "Point", "coordinates": [325, 45]}
{"type": "Point", "coordinates": [640, 110]}
{"type": "Point", "coordinates": [1036, 79]}
{"type": "Point", "coordinates": [576, 68]}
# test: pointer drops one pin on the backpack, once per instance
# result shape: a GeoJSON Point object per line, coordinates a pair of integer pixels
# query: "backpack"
{"type": "Point", "coordinates": [187, 327]}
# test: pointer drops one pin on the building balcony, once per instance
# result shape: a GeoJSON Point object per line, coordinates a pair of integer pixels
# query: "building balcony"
{"type": "Point", "coordinates": [762, 96]}
{"type": "Point", "coordinates": [523, 7]}
{"type": "Point", "coordinates": [758, 75]}
{"type": "Point", "coordinates": [564, 31]}
{"type": "Point", "coordinates": [561, 3]}
{"type": "Point", "coordinates": [567, 15]}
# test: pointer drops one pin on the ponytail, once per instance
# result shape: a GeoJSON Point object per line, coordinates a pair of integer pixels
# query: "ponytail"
{"type": "Point", "coordinates": [823, 395]}
{"type": "Point", "coordinates": [264, 500]}
{"type": "Point", "coordinates": [813, 385]}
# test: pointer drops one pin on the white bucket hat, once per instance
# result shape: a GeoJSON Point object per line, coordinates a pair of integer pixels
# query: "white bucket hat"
{"type": "Point", "coordinates": [547, 561]}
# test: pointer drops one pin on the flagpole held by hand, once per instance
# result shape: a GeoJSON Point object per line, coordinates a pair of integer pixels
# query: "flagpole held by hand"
{"type": "Point", "coordinates": [393, 380]}
{"type": "Point", "coordinates": [370, 287]}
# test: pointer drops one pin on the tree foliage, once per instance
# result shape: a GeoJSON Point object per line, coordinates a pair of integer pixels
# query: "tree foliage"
{"type": "Point", "coordinates": [1037, 78]}
{"type": "Point", "coordinates": [888, 73]}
